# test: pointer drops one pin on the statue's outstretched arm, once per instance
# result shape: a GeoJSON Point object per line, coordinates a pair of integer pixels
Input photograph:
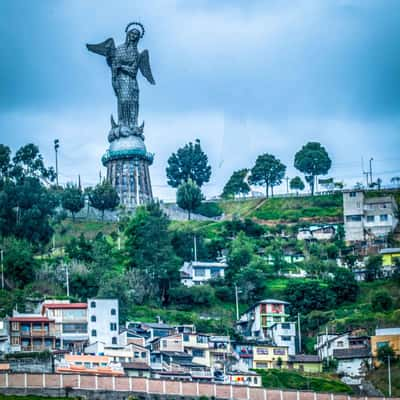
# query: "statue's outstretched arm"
{"type": "Point", "coordinates": [144, 66]}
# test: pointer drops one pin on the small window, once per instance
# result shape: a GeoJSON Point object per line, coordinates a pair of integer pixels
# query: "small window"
{"type": "Point", "coordinates": [143, 354]}
{"type": "Point", "coordinates": [94, 332]}
{"type": "Point", "coordinates": [286, 338]}
{"type": "Point", "coordinates": [113, 311]}
{"type": "Point", "coordinates": [136, 354]}
{"type": "Point", "coordinates": [370, 218]}
{"type": "Point", "coordinates": [114, 340]}
{"type": "Point", "coordinates": [383, 217]}
{"type": "Point", "coordinates": [93, 318]}
{"type": "Point", "coordinates": [352, 194]}
{"type": "Point", "coordinates": [113, 326]}
{"type": "Point", "coordinates": [93, 304]}
{"type": "Point", "coordinates": [340, 344]}
{"type": "Point", "coordinates": [185, 338]}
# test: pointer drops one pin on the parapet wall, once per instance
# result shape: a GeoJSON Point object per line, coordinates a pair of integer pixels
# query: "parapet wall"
{"type": "Point", "coordinates": [118, 388]}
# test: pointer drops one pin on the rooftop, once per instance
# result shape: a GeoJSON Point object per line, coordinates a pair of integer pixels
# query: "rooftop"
{"type": "Point", "coordinates": [30, 319]}
{"type": "Point", "coordinates": [68, 306]}
{"type": "Point", "coordinates": [305, 358]}
{"type": "Point", "coordinates": [390, 250]}
{"type": "Point", "coordinates": [387, 331]}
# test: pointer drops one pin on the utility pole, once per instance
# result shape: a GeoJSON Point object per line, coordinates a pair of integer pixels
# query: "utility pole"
{"type": "Point", "coordinates": [237, 302]}
{"type": "Point", "coordinates": [195, 248]}
{"type": "Point", "coordinates": [287, 184]}
{"type": "Point", "coordinates": [389, 377]}
{"type": "Point", "coordinates": [299, 331]}
{"type": "Point", "coordinates": [370, 170]}
{"type": "Point", "coordinates": [2, 268]}
{"type": "Point", "coordinates": [56, 146]}
{"type": "Point", "coordinates": [67, 276]}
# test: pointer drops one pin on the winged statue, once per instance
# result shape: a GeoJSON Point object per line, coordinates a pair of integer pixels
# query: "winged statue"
{"type": "Point", "coordinates": [125, 60]}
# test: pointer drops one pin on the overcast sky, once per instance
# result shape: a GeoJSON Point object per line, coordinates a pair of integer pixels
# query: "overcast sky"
{"type": "Point", "coordinates": [245, 77]}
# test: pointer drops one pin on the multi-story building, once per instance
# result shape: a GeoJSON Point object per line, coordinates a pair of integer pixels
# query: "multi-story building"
{"type": "Point", "coordinates": [244, 354]}
{"type": "Point", "coordinates": [197, 345]}
{"type": "Point", "coordinates": [284, 334]}
{"type": "Point", "coordinates": [4, 337]}
{"type": "Point", "coordinates": [71, 325]}
{"type": "Point", "coordinates": [306, 363]}
{"type": "Point", "coordinates": [195, 273]}
{"type": "Point", "coordinates": [103, 321]}
{"type": "Point", "coordinates": [267, 356]}
{"type": "Point", "coordinates": [168, 343]}
{"type": "Point", "coordinates": [31, 332]}
{"type": "Point", "coordinates": [368, 217]}
{"type": "Point", "coordinates": [220, 351]}
{"type": "Point", "coordinates": [256, 321]}
{"type": "Point", "coordinates": [386, 337]}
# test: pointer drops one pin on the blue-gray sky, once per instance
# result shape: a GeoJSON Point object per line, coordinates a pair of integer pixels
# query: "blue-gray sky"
{"type": "Point", "coordinates": [244, 77]}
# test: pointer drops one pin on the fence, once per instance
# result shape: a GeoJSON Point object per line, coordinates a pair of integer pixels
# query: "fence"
{"type": "Point", "coordinates": [67, 383]}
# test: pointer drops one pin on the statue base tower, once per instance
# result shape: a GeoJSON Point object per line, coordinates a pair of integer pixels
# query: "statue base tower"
{"type": "Point", "coordinates": [127, 162]}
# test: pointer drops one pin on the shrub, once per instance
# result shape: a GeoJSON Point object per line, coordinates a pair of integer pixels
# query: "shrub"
{"type": "Point", "coordinates": [381, 301]}
{"type": "Point", "coordinates": [209, 209]}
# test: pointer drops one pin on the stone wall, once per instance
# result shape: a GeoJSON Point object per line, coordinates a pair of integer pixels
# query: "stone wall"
{"type": "Point", "coordinates": [116, 388]}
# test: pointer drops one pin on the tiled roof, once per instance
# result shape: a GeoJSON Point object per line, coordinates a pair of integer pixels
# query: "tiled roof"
{"type": "Point", "coordinates": [305, 358]}
{"type": "Point", "coordinates": [135, 365]}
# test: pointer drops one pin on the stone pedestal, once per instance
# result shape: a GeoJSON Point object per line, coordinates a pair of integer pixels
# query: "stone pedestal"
{"type": "Point", "coordinates": [127, 162]}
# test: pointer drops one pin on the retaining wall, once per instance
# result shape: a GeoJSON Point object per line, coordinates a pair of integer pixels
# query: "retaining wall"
{"type": "Point", "coordinates": [118, 388]}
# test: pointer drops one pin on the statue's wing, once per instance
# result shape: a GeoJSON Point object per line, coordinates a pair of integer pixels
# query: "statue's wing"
{"type": "Point", "coordinates": [106, 48]}
{"type": "Point", "coordinates": [144, 66]}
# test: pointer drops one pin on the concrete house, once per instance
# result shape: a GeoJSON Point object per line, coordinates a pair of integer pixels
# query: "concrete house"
{"type": "Point", "coordinates": [306, 363]}
{"type": "Point", "coordinates": [103, 321]}
{"type": "Point", "coordinates": [353, 362]}
{"type": "Point", "coordinates": [368, 217]}
{"type": "Point", "coordinates": [386, 336]}
{"type": "Point", "coordinates": [195, 273]}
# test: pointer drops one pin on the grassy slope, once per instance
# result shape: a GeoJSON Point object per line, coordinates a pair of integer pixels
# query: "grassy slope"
{"type": "Point", "coordinates": [379, 378]}
{"type": "Point", "coordinates": [284, 379]}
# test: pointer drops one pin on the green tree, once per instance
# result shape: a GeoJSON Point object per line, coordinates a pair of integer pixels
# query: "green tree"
{"type": "Point", "coordinates": [240, 254]}
{"type": "Point", "coordinates": [381, 301]}
{"type": "Point", "coordinates": [28, 162]}
{"type": "Point", "coordinates": [189, 196]}
{"type": "Point", "coordinates": [189, 162]}
{"type": "Point", "coordinates": [296, 184]}
{"type": "Point", "coordinates": [385, 352]}
{"type": "Point", "coordinates": [103, 197]}
{"type": "Point", "coordinates": [252, 280]}
{"type": "Point", "coordinates": [344, 285]}
{"type": "Point", "coordinates": [150, 252]}
{"type": "Point", "coordinates": [268, 171]}
{"type": "Point", "coordinates": [72, 199]}
{"type": "Point", "coordinates": [312, 160]}
{"type": "Point", "coordinates": [307, 296]}
{"type": "Point", "coordinates": [373, 268]}
{"type": "Point", "coordinates": [236, 184]}
{"type": "Point", "coordinates": [19, 263]}
{"type": "Point", "coordinates": [5, 158]}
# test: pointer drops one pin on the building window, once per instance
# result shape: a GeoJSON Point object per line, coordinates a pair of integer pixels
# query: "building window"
{"type": "Point", "coordinates": [185, 338]}
{"type": "Point", "coordinates": [143, 355]}
{"type": "Point", "coordinates": [93, 318]}
{"type": "Point", "coordinates": [136, 354]}
{"type": "Point", "coordinates": [113, 326]}
{"type": "Point", "coordinates": [340, 344]}
{"type": "Point", "coordinates": [114, 340]}
{"type": "Point", "coordinates": [352, 194]}
{"type": "Point", "coordinates": [94, 332]}
{"type": "Point", "coordinates": [286, 338]}
{"type": "Point", "coordinates": [383, 217]}
{"type": "Point", "coordinates": [198, 353]}
{"type": "Point", "coordinates": [370, 218]}
{"type": "Point", "coordinates": [285, 325]}
{"type": "Point", "coordinates": [353, 218]}
{"type": "Point", "coordinates": [113, 311]}
{"type": "Point", "coordinates": [381, 344]}
{"type": "Point", "coordinates": [93, 304]}
{"type": "Point", "coordinates": [200, 272]}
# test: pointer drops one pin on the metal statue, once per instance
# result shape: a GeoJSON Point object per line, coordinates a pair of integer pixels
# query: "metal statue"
{"type": "Point", "coordinates": [125, 61]}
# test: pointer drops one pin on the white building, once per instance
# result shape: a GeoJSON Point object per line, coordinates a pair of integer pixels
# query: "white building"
{"type": "Point", "coordinates": [194, 273]}
{"type": "Point", "coordinates": [4, 337]}
{"type": "Point", "coordinates": [317, 232]}
{"type": "Point", "coordinates": [266, 319]}
{"type": "Point", "coordinates": [353, 363]}
{"type": "Point", "coordinates": [103, 325]}
{"type": "Point", "coordinates": [368, 217]}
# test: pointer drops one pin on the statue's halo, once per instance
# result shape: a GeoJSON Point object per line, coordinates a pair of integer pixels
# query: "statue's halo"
{"type": "Point", "coordinates": [137, 24]}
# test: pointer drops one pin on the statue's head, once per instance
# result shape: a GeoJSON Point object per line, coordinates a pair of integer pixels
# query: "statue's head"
{"type": "Point", "coordinates": [134, 34]}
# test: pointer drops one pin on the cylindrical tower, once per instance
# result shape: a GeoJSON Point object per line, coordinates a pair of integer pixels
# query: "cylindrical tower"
{"type": "Point", "coordinates": [127, 162]}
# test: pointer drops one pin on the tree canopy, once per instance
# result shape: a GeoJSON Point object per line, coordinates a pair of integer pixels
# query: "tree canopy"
{"type": "Point", "coordinates": [296, 184]}
{"type": "Point", "coordinates": [103, 197]}
{"type": "Point", "coordinates": [268, 171]}
{"type": "Point", "coordinates": [312, 160]}
{"type": "Point", "coordinates": [72, 199]}
{"type": "Point", "coordinates": [236, 184]}
{"type": "Point", "coordinates": [189, 196]}
{"type": "Point", "coordinates": [189, 162]}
